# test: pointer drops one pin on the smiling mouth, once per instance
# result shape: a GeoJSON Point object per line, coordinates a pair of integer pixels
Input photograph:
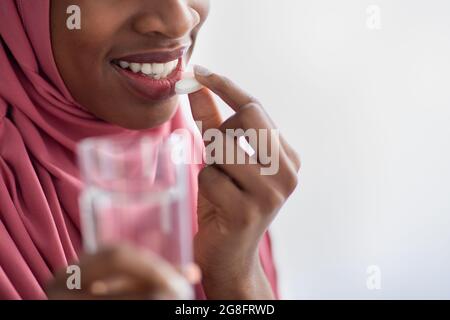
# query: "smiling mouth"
{"type": "Point", "coordinates": [152, 75]}
{"type": "Point", "coordinates": [156, 71]}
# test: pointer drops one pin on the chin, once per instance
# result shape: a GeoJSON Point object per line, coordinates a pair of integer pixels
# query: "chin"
{"type": "Point", "coordinates": [147, 117]}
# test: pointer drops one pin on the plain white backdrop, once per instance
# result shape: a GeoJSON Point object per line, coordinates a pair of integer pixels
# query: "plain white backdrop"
{"type": "Point", "coordinates": [369, 112]}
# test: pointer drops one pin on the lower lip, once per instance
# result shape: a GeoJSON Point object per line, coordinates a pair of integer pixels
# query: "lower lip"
{"type": "Point", "coordinates": [151, 89]}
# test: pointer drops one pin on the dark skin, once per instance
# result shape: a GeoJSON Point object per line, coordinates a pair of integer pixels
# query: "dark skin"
{"type": "Point", "coordinates": [236, 203]}
{"type": "Point", "coordinates": [112, 29]}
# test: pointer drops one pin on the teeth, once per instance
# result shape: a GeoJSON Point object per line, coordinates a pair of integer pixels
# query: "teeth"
{"type": "Point", "coordinates": [146, 68]}
{"type": "Point", "coordinates": [135, 67]}
{"type": "Point", "coordinates": [169, 67]}
{"type": "Point", "coordinates": [124, 64]}
{"type": "Point", "coordinates": [153, 70]}
{"type": "Point", "coordinates": [158, 68]}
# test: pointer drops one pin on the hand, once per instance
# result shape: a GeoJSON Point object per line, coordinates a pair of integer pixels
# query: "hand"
{"type": "Point", "coordinates": [124, 273]}
{"type": "Point", "coordinates": [236, 203]}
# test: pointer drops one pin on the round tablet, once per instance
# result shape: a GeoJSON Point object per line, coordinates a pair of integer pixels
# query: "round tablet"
{"type": "Point", "coordinates": [187, 85]}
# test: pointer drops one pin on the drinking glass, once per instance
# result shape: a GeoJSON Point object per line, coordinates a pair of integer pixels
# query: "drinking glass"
{"type": "Point", "coordinates": [135, 192]}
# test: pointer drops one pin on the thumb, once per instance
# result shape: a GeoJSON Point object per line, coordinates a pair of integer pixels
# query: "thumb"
{"type": "Point", "coordinates": [205, 110]}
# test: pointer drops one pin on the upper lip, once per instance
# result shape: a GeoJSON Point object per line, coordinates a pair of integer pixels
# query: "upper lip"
{"type": "Point", "coordinates": [162, 56]}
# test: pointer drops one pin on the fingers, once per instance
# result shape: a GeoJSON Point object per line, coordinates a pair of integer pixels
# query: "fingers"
{"type": "Point", "coordinates": [292, 154]}
{"type": "Point", "coordinates": [229, 92]}
{"type": "Point", "coordinates": [274, 155]}
{"type": "Point", "coordinates": [254, 125]}
{"type": "Point", "coordinates": [211, 179]}
{"type": "Point", "coordinates": [123, 272]}
{"type": "Point", "coordinates": [274, 160]}
{"type": "Point", "coordinates": [235, 205]}
{"type": "Point", "coordinates": [146, 268]}
{"type": "Point", "coordinates": [192, 273]}
{"type": "Point", "coordinates": [205, 110]}
{"type": "Point", "coordinates": [239, 181]}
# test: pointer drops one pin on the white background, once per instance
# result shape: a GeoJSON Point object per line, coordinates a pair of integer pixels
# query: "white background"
{"type": "Point", "coordinates": [369, 113]}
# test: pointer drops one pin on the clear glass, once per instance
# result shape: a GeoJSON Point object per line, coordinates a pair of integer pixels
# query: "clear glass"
{"type": "Point", "coordinates": [136, 192]}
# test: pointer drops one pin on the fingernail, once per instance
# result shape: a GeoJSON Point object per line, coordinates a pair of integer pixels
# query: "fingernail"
{"type": "Point", "coordinates": [202, 71]}
{"type": "Point", "coordinates": [192, 274]}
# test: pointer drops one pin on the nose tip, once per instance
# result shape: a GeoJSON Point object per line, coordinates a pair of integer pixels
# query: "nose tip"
{"type": "Point", "coordinates": [172, 18]}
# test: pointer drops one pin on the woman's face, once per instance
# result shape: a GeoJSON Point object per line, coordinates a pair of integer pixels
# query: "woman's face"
{"type": "Point", "coordinates": [124, 61]}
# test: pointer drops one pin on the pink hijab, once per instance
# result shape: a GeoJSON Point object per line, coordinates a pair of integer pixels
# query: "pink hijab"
{"type": "Point", "coordinates": [40, 126]}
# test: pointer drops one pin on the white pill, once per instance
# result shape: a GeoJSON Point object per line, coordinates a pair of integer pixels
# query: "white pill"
{"type": "Point", "coordinates": [188, 85]}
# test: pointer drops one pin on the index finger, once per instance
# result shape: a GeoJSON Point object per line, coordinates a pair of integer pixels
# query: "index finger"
{"type": "Point", "coordinates": [226, 89]}
{"type": "Point", "coordinates": [205, 110]}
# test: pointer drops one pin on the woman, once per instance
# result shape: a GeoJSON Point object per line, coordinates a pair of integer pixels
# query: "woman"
{"type": "Point", "coordinates": [59, 86]}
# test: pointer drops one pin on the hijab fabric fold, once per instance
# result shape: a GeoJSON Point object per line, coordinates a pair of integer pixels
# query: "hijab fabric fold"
{"type": "Point", "coordinates": [40, 127]}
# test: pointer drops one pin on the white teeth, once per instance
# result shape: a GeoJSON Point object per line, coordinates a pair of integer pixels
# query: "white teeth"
{"type": "Point", "coordinates": [146, 68]}
{"type": "Point", "coordinates": [153, 70]}
{"type": "Point", "coordinates": [158, 68]}
{"type": "Point", "coordinates": [169, 67]}
{"type": "Point", "coordinates": [135, 67]}
{"type": "Point", "coordinates": [124, 64]}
